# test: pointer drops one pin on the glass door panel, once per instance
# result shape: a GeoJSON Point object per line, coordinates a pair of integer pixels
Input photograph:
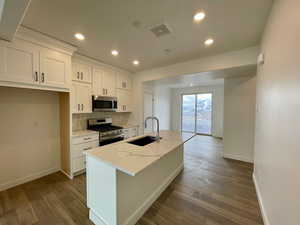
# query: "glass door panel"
{"type": "Point", "coordinates": [188, 120]}
{"type": "Point", "coordinates": [204, 113]}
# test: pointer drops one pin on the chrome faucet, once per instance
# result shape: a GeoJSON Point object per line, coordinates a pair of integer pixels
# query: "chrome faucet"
{"type": "Point", "coordinates": [157, 123]}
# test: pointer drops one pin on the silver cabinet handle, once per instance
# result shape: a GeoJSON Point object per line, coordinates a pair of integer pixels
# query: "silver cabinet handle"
{"type": "Point", "coordinates": [85, 149]}
{"type": "Point", "coordinates": [81, 75]}
{"type": "Point", "coordinates": [103, 91]}
{"type": "Point", "coordinates": [82, 107]}
{"type": "Point", "coordinates": [78, 75]}
{"type": "Point", "coordinates": [43, 78]}
{"type": "Point", "coordinates": [78, 107]}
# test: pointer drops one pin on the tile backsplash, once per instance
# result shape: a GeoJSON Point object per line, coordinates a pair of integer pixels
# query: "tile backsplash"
{"type": "Point", "coordinates": [80, 120]}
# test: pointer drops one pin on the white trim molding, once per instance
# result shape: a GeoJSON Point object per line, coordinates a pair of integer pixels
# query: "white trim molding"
{"type": "Point", "coordinates": [237, 157]}
{"type": "Point", "coordinates": [260, 201]}
{"type": "Point", "coordinates": [18, 181]}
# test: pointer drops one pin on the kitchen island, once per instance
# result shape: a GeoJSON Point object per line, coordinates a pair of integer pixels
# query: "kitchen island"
{"type": "Point", "coordinates": [123, 179]}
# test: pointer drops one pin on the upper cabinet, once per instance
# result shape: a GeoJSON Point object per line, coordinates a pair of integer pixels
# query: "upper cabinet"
{"type": "Point", "coordinates": [124, 100]}
{"type": "Point", "coordinates": [54, 69]}
{"type": "Point", "coordinates": [28, 65]}
{"type": "Point", "coordinates": [81, 98]}
{"type": "Point", "coordinates": [19, 62]}
{"type": "Point", "coordinates": [81, 72]}
{"type": "Point", "coordinates": [124, 81]}
{"type": "Point", "coordinates": [104, 82]}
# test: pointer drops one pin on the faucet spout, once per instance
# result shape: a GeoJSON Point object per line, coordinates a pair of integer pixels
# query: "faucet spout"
{"type": "Point", "coordinates": [157, 125]}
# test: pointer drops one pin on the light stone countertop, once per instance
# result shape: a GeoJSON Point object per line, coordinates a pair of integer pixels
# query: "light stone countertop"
{"type": "Point", "coordinates": [125, 126]}
{"type": "Point", "coordinates": [132, 159]}
{"type": "Point", "coordinates": [83, 133]}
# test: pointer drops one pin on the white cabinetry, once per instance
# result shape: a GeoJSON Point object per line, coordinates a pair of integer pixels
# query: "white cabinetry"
{"type": "Point", "coordinates": [81, 98]}
{"type": "Point", "coordinates": [124, 100]}
{"type": "Point", "coordinates": [19, 62]}
{"type": "Point", "coordinates": [54, 68]}
{"type": "Point", "coordinates": [130, 132]}
{"type": "Point", "coordinates": [124, 81]}
{"type": "Point", "coordinates": [27, 64]}
{"type": "Point", "coordinates": [104, 82]}
{"type": "Point", "coordinates": [82, 72]}
{"type": "Point", "coordinates": [79, 146]}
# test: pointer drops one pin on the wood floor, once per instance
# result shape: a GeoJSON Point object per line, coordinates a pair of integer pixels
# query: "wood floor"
{"type": "Point", "coordinates": [209, 191]}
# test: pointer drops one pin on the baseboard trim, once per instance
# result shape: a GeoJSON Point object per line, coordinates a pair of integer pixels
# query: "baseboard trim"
{"type": "Point", "coordinates": [261, 205]}
{"type": "Point", "coordinates": [26, 179]}
{"type": "Point", "coordinates": [132, 220]}
{"type": "Point", "coordinates": [66, 174]}
{"type": "Point", "coordinates": [237, 157]}
{"type": "Point", "coordinates": [96, 219]}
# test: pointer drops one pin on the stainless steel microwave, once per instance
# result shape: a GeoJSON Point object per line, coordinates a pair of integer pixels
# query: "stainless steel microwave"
{"type": "Point", "coordinates": [101, 103]}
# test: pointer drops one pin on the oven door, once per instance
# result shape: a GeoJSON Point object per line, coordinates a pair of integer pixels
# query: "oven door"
{"type": "Point", "coordinates": [104, 104]}
{"type": "Point", "coordinates": [111, 140]}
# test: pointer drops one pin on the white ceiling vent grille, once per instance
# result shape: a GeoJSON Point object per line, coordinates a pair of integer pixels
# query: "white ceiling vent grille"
{"type": "Point", "coordinates": [160, 30]}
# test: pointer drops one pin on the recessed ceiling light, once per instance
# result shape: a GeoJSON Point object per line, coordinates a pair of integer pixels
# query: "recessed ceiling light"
{"type": "Point", "coordinates": [209, 41]}
{"type": "Point", "coordinates": [136, 62]}
{"type": "Point", "coordinates": [199, 16]}
{"type": "Point", "coordinates": [114, 52]}
{"type": "Point", "coordinates": [79, 36]}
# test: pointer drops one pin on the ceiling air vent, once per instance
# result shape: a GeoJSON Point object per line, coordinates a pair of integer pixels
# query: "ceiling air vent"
{"type": "Point", "coordinates": [160, 30]}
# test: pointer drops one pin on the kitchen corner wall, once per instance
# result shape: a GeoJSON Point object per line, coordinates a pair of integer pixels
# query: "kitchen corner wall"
{"type": "Point", "coordinates": [79, 121]}
{"type": "Point", "coordinates": [277, 141]}
{"type": "Point", "coordinates": [29, 135]}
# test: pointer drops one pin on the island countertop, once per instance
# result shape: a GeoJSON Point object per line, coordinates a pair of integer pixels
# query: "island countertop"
{"type": "Point", "coordinates": [132, 159]}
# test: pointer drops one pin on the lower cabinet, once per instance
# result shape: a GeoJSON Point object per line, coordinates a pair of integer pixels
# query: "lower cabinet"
{"type": "Point", "coordinates": [79, 146]}
{"type": "Point", "coordinates": [130, 132]}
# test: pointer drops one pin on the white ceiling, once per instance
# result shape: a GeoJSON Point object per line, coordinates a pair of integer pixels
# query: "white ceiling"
{"type": "Point", "coordinates": [204, 78]}
{"type": "Point", "coordinates": [108, 24]}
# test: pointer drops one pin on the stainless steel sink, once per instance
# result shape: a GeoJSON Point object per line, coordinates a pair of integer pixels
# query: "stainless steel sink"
{"type": "Point", "coordinates": [143, 141]}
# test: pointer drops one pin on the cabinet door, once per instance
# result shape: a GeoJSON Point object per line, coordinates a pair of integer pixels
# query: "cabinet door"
{"type": "Point", "coordinates": [84, 93]}
{"type": "Point", "coordinates": [85, 73]}
{"type": "Point", "coordinates": [19, 62]}
{"type": "Point", "coordinates": [81, 98]}
{"type": "Point", "coordinates": [74, 102]}
{"type": "Point", "coordinates": [97, 82]}
{"type": "Point", "coordinates": [109, 83]}
{"type": "Point", "coordinates": [123, 81]}
{"type": "Point", "coordinates": [76, 72]}
{"type": "Point", "coordinates": [54, 69]}
{"type": "Point", "coordinates": [124, 100]}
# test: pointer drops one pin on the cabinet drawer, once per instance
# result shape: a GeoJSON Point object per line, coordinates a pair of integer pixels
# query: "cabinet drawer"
{"type": "Point", "coordinates": [78, 164]}
{"type": "Point", "coordinates": [86, 138]}
{"type": "Point", "coordinates": [78, 149]}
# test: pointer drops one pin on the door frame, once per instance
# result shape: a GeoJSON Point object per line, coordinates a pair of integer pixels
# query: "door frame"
{"type": "Point", "coordinates": [212, 111]}
{"type": "Point", "coordinates": [153, 105]}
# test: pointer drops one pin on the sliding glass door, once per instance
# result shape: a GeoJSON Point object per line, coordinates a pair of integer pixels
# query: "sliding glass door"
{"type": "Point", "coordinates": [197, 113]}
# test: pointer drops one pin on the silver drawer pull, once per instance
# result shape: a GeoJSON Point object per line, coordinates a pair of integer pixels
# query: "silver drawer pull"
{"type": "Point", "coordinates": [85, 149]}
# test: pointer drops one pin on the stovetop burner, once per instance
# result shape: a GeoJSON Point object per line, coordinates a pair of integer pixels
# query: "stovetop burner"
{"type": "Point", "coordinates": [104, 128]}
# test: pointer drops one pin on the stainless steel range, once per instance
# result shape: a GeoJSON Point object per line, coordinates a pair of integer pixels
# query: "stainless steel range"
{"type": "Point", "coordinates": [108, 133]}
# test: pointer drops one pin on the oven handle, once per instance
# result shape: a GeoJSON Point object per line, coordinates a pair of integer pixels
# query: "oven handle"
{"type": "Point", "coordinates": [112, 137]}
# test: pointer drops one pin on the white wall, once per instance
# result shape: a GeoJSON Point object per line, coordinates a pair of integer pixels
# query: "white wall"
{"type": "Point", "coordinates": [162, 106]}
{"type": "Point", "coordinates": [29, 134]}
{"type": "Point", "coordinates": [277, 141]}
{"type": "Point", "coordinates": [218, 100]}
{"type": "Point", "coordinates": [239, 118]}
{"type": "Point", "coordinates": [233, 59]}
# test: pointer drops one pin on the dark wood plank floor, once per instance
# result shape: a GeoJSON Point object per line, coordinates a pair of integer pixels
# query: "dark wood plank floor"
{"type": "Point", "coordinates": [209, 191]}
